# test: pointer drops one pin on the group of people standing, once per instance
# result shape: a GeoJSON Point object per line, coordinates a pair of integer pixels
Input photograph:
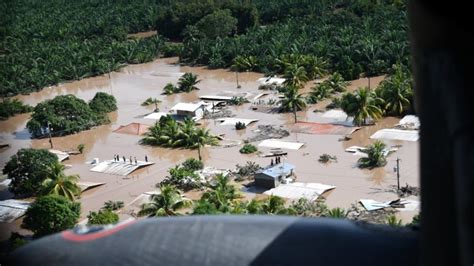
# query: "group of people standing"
{"type": "Point", "coordinates": [117, 159]}
{"type": "Point", "coordinates": [277, 161]}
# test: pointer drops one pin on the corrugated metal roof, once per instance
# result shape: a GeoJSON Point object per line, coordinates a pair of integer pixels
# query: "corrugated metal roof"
{"type": "Point", "coordinates": [188, 107]}
{"type": "Point", "coordinates": [279, 170]}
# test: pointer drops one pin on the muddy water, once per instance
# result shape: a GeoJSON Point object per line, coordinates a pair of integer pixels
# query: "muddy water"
{"type": "Point", "coordinates": [133, 84]}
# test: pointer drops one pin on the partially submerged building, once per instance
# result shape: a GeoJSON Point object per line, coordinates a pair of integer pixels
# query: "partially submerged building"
{"type": "Point", "coordinates": [273, 176]}
{"type": "Point", "coordinates": [193, 111]}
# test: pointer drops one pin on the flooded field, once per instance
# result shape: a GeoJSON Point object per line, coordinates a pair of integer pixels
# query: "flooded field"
{"type": "Point", "coordinates": [133, 84]}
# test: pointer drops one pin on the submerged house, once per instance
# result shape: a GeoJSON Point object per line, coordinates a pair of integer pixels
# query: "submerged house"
{"type": "Point", "coordinates": [193, 111]}
{"type": "Point", "coordinates": [274, 176]}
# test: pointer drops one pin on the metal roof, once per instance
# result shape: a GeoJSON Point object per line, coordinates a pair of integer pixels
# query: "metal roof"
{"type": "Point", "coordinates": [278, 170]}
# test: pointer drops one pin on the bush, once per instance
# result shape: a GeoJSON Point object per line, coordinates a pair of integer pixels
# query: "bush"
{"type": "Point", "coordinates": [240, 125]}
{"type": "Point", "coordinates": [113, 205]}
{"type": "Point", "coordinates": [103, 103]}
{"type": "Point", "coordinates": [248, 148]}
{"type": "Point", "coordinates": [28, 169]}
{"type": "Point", "coordinates": [102, 217]}
{"type": "Point", "coordinates": [237, 100]}
{"type": "Point", "coordinates": [192, 164]}
{"type": "Point", "coordinates": [81, 147]}
{"type": "Point", "coordinates": [11, 107]}
{"type": "Point", "coordinates": [325, 158]}
{"type": "Point", "coordinates": [51, 214]}
{"type": "Point", "coordinates": [247, 170]}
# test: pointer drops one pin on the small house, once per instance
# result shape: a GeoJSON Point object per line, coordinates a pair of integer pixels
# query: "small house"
{"type": "Point", "coordinates": [193, 111]}
{"type": "Point", "coordinates": [273, 176]}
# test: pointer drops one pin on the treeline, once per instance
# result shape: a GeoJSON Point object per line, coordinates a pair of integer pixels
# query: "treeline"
{"type": "Point", "coordinates": [47, 42]}
{"type": "Point", "coordinates": [353, 40]}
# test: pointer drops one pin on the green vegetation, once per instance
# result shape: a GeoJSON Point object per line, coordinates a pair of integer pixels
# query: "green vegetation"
{"type": "Point", "coordinates": [248, 148]}
{"type": "Point", "coordinates": [338, 213]}
{"type": "Point", "coordinates": [102, 217]}
{"type": "Point", "coordinates": [103, 103]}
{"type": "Point", "coordinates": [325, 158]}
{"type": "Point", "coordinates": [151, 101]}
{"type": "Point", "coordinates": [396, 92]}
{"type": "Point", "coordinates": [292, 101]}
{"type": "Point", "coordinates": [392, 220]}
{"type": "Point", "coordinates": [50, 41]}
{"type": "Point", "coordinates": [113, 205]}
{"type": "Point", "coordinates": [10, 107]}
{"type": "Point", "coordinates": [175, 19]}
{"type": "Point", "coordinates": [334, 84]}
{"type": "Point", "coordinates": [416, 220]}
{"type": "Point", "coordinates": [81, 148]}
{"type": "Point", "coordinates": [306, 208]}
{"type": "Point", "coordinates": [354, 39]}
{"type": "Point", "coordinates": [375, 156]}
{"type": "Point", "coordinates": [67, 114]}
{"type": "Point", "coordinates": [219, 199]}
{"type": "Point", "coordinates": [16, 240]}
{"type": "Point", "coordinates": [58, 183]}
{"type": "Point", "coordinates": [246, 171]}
{"type": "Point", "coordinates": [166, 203]}
{"type": "Point", "coordinates": [240, 125]}
{"type": "Point", "coordinates": [51, 214]}
{"type": "Point", "coordinates": [237, 100]}
{"type": "Point", "coordinates": [28, 169]}
{"type": "Point", "coordinates": [363, 104]}
{"type": "Point", "coordinates": [183, 176]}
{"type": "Point", "coordinates": [186, 83]}
{"type": "Point", "coordinates": [218, 24]}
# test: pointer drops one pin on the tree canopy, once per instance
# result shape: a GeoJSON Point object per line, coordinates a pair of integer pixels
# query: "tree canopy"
{"type": "Point", "coordinates": [51, 214]}
{"type": "Point", "coordinates": [28, 169]}
{"type": "Point", "coordinates": [67, 114]}
{"type": "Point", "coordinates": [219, 23]}
{"type": "Point", "coordinates": [10, 107]}
{"type": "Point", "coordinates": [103, 103]}
{"type": "Point", "coordinates": [102, 217]}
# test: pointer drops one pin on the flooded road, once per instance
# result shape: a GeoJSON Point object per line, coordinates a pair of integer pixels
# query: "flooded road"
{"type": "Point", "coordinates": [133, 84]}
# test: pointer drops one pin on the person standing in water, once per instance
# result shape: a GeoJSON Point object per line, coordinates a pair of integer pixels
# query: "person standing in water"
{"type": "Point", "coordinates": [146, 158]}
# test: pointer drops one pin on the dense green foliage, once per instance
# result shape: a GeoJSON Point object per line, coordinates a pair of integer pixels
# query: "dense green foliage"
{"type": "Point", "coordinates": [113, 205]}
{"type": "Point", "coordinates": [51, 41]}
{"type": "Point", "coordinates": [179, 14]}
{"type": "Point", "coordinates": [353, 39]}
{"type": "Point", "coordinates": [186, 83]}
{"type": "Point", "coordinates": [248, 148]}
{"type": "Point", "coordinates": [51, 214]}
{"type": "Point", "coordinates": [396, 92]}
{"type": "Point", "coordinates": [240, 125]}
{"type": "Point", "coordinates": [246, 170]}
{"type": "Point", "coordinates": [103, 103]}
{"type": "Point", "coordinates": [10, 107]}
{"type": "Point", "coordinates": [166, 203]}
{"type": "Point", "coordinates": [362, 105]}
{"type": "Point", "coordinates": [102, 217]}
{"type": "Point", "coordinates": [375, 156]}
{"type": "Point", "coordinates": [28, 169]}
{"type": "Point", "coordinates": [292, 101]}
{"type": "Point", "coordinates": [183, 176]}
{"type": "Point", "coordinates": [68, 114]}
{"type": "Point", "coordinates": [170, 133]}
{"type": "Point", "coordinates": [58, 183]}
{"type": "Point", "coordinates": [219, 23]}
{"type": "Point", "coordinates": [237, 100]}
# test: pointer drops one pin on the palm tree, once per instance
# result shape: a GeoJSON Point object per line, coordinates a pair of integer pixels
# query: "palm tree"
{"type": "Point", "coordinates": [167, 203]}
{"type": "Point", "coordinates": [274, 205]}
{"type": "Point", "coordinates": [201, 137]}
{"type": "Point", "coordinates": [169, 89]}
{"type": "Point", "coordinates": [361, 105]}
{"type": "Point", "coordinates": [295, 76]}
{"type": "Point", "coordinates": [60, 184]}
{"type": "Point", "coordinates": [292, 101]}
{"type": "Point", "coordinates": [188, 82]}
{"type": "Point", "coordinates": [337, 213]}
{"type": "Point", "coordinates": [397, 92]}
{"type": "Point", "coordinates": [336, 82]}
{"type": "Point", "coordinates": [375, 156]}
{"type": "Point", "coordinates": [222, 194]}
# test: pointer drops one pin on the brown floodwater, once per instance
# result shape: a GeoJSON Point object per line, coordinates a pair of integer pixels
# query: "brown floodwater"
{"type": "Point", "coordinates": [133, 84]}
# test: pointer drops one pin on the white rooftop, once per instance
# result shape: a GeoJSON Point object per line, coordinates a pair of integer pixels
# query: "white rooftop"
{"type": "Point", "coordinates": [118, 168]}
{"type": "Point", "coordinates": [188, 107]}
{"type": "Point", "coordinates": [409, 121]}
{"type": "Point", "coordinates": [11, 209]}
{"type": "Point", "coordinates": [156, 116]}
{"type": "Point", "coordinates": [310, 191]}
{"type": "Point", "coordinates": [396, 134]}
{"type": "Point", "coordinates": [274, 143]}
{"type": "Point", "coordinates": [271, 81]}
